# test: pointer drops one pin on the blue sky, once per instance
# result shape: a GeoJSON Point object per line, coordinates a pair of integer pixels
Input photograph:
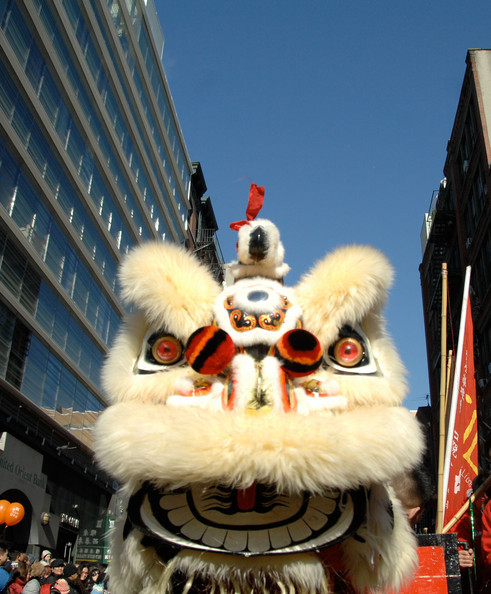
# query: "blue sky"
{"type": "Point", "coordinates": [341, 109]}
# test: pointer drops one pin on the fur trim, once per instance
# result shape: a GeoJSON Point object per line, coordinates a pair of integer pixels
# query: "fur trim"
{"type": "Point", "coordinates": [170, 285]}
{"type": "Point", "coordinates": [134, 568]}
{"type": "Point", "coordinates": [176, 447]}
{"type": "Point", "coordinates": [388, 557]}
{"type": "Point", "coordinates": [142, 572]}
{"type": "Point", "coordinates": [294, 573]}
{"type": "Point", "coordinates": [343, 288]}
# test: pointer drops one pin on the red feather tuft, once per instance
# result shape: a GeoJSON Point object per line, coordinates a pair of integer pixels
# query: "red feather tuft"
{"type": "Point", "coordinates": [256, 199]}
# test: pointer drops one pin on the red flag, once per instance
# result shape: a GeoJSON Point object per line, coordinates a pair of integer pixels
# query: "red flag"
{"type": "Point", "coordinates": [461, 464]}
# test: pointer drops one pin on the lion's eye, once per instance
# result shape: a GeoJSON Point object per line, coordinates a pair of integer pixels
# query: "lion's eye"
{"type": "Point", "coordinates": [166, 350]}
{"type": "Point", "coordinates": [348, 352]}
{"type": "Point", "coordinates": [159, 351]}
{"type": "Point", "coordinates": [351, 353]}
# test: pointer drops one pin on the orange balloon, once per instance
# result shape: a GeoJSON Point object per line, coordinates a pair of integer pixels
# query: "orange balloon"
{"type": "Point", "coordinates": [3, 508]}
{"type": "Point", "coordinates": [14, 514]}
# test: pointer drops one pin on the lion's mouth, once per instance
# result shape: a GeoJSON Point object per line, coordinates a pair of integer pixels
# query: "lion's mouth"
{"type": "Point", "coordinates": [253, 521]}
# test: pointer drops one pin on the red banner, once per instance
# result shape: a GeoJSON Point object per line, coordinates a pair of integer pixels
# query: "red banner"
{"type": "Point", "coordinates": [461, 464]}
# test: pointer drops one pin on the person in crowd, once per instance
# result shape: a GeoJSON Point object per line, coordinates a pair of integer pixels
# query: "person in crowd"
{"type": "Point", "coordinates": [18, 578]}
{"type": "Point", "coordinates": [24, 557]}
{"type": "Point", "coordinates": [46, 557]}
{"type": "Point", "coordinates": [14, 558]}
{"type": "Point", "coordinates": [46, 574]}
{"type": "Point", "coordinates": [486, 549]}
{"type": "Point", "coordinates": [57, 566]}
{"type": "Point", "coordinates": [94, 578]}
{"type": "Point", "coordinates": [414, 490]}
{"type": "Point", "coordinates": [103, 576]}
{"type": "Point", "coordinates": [61, 586]}
{"type": "Point", "coordinates": [471, 532]}
{"type": "Point", "coordinates": [70, 574]}
{"type": "Point", "coordinates": [33, 585]}
{"type": "Point", "coordinates": [102, 572]}
{"type": "Point", "coordinates": [83, 578]}
{"type": "Point", "coordinates": [4, 573]}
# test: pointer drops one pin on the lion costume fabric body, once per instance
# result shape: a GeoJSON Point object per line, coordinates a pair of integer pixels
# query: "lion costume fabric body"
{"type": "Point", "coordinates": [254, 428]}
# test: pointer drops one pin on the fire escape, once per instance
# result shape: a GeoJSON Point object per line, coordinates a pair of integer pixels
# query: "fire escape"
{"type": "Point", "coordinates": [208, 249]}
{"type": "Point", "coordinates": [203, 226]}
{"type": "Point", "coordinates": [440, 247]}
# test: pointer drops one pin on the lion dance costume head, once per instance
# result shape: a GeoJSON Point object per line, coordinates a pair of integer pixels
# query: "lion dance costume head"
{"type": "Point", "coordinates": [255, 428]}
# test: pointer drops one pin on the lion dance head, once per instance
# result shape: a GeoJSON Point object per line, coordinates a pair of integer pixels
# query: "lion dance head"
{"type": "Point", "coordinates": [254, 428]}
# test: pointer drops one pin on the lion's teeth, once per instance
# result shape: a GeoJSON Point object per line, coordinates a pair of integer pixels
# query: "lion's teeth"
{"type": "Point", "coordinates": [315, 519]}
{"type": "Point", "coordinates": [299, 531]}
{"type": "Point", "coordinates": [280, 537]}
{"type": "Point", "coordinates": [214, 537]}
{"type": "Point", "coordinates": [193, 530]}
{"type": "Point", "coordinates": [180, 516]}
{"type": "Point", "coordinates": [258, 541]}
{"type": "Point", "coordinates": [323, 504]}
{"type": "Point", "coordinates": [236, 540]}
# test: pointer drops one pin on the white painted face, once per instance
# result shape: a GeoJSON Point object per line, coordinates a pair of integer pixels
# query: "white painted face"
{"type": "Point", "coordinates": [257, 311]}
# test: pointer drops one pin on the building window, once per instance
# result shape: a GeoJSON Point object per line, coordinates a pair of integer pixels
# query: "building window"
{"type": "Point", "coordinates": [41, 230]}
{"type": "Point", "coordinates": [52, 386]}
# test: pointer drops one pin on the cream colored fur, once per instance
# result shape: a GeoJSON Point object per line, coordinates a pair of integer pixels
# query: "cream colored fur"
{"type": "Point", "coordinates": [346, 286]}
{"type": "Point", "coordinates": [181, 446]}
{"type": "Point", "coordinates": [382, 561]}
{"type": "Point", "coordinates": [354, 434]}
{"type": "Point", "coordinates": [172, 288]}
{"type": "Point", "coordinates": [272, 266]}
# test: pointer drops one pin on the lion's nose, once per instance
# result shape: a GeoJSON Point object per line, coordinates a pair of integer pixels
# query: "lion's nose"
{"type": "Point", "coordinates": [257, 296]}
{"type": "Point", "coordinates": [258, 244]}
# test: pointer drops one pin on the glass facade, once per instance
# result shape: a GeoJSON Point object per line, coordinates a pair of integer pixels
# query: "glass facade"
{"type": "Point", "coordinates": [92, 161]}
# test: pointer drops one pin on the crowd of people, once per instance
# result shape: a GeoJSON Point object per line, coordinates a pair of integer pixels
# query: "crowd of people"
{"type": "Point", "coordinates": [21, 574]}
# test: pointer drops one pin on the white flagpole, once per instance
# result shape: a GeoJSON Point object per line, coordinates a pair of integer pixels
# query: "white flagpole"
{"type": "Point", "coordinates": [456, 383]}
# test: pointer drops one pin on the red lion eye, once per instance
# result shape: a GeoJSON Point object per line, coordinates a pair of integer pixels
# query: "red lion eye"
{"type": "Point", "coordinates": [167, 350]}
{"type": "Point", "coordinates": [348, 352]}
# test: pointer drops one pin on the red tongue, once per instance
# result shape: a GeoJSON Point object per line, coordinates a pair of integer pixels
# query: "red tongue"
{"type": "Point", "coordinates": [246, 498]}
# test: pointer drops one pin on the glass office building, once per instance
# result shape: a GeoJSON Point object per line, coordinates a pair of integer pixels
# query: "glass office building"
{"type": "Point", "coordinates": [92, 161]}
